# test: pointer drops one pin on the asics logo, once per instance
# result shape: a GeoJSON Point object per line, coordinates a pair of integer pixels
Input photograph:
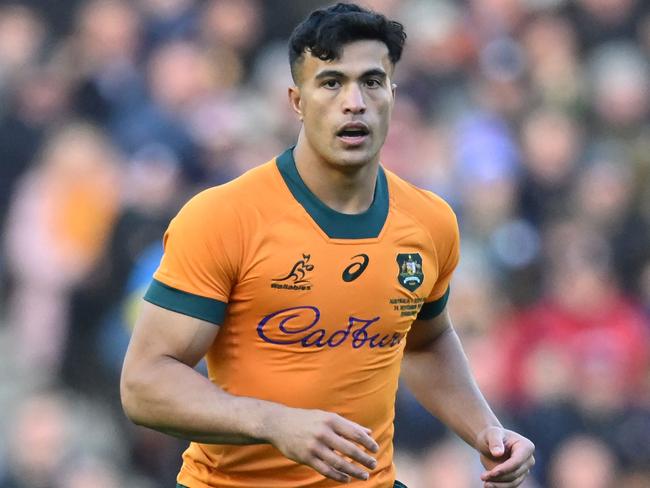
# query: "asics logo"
{"type": "Point", "coordinates": [354, 270]}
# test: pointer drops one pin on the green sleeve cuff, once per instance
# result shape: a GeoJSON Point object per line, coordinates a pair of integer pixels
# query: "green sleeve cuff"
{"type": "Point", "coordinates": [432, 309]}
{"type": "Point", "coordinates": [196, 306]}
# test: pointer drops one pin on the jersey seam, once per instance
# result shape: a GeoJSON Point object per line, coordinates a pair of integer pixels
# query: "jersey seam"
{"type": "Point", "coordinates": [246, 250]}
{"type": "Point", "coordinates": [431, 241]}
{"type": "Point", "coordinates": [181, 286]}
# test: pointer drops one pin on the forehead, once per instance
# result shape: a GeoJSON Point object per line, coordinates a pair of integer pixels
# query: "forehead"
{"type": "Point", "coordinates": [356, 58]}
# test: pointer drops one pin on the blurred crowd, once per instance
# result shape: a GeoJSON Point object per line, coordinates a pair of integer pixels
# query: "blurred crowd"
{"type": "Point", "coordinates": [532, 118]}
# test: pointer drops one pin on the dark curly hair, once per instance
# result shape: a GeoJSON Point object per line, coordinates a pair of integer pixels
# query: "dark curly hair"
{"type": "Point", "coordinates": [327, 30]}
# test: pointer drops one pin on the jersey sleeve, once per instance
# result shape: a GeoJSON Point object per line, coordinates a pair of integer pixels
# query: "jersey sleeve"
{"type": "Point", "coordinates": [448, 253]}
{"type": "Point", "coordinates": [199, 265]}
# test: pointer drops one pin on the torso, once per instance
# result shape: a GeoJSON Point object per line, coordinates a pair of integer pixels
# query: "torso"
{"type": "Point", "coordinates": [319, 313]}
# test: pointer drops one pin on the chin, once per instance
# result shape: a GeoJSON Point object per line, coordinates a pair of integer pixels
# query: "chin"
{"type": "Point", "coordinates": [352, 157]}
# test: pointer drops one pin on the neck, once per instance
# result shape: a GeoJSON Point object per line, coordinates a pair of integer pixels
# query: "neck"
{"type": "Point", "coordinates": [346, 189]}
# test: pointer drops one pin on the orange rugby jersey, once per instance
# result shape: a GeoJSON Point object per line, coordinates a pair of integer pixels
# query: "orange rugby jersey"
{"type": "Point", "coordinates": [314, 305]}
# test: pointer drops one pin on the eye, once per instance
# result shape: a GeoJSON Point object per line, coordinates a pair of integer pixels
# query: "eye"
{"type": "Point", "coordinates": [331, 84]}
{"type": "Point", "coordinates": [373, 83]}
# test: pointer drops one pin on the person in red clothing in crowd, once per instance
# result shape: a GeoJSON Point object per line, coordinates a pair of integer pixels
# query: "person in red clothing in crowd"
{"type": "Point", "coordinates": [584, 320]}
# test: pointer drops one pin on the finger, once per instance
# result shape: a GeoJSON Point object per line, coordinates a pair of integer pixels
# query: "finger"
{"type": "Point", "coordinates": [494, 438]}
{"type": "Point", "coordinates": [341, 465]}
{"type": "Point", "coordinates": [507, 484]}
{"type": "Point", "coordinates": [522, 470]}
{"type": "Point", "coordinates": [328, 471]}
{"type": "Point", "coordinates": [356, 433]}
{"type": "Point", "coordinates": [351, 450]}
{"type": "Point", "coordinates": [519, 455]}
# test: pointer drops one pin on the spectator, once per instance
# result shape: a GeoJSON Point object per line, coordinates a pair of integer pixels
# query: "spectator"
{"type": "Point", "coordinates": [583, 462]}
{"type": "Point", "coordinates": [70, 200]}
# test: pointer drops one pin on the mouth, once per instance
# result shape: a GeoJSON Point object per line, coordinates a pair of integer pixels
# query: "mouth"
{"type": "Point", "coordinates": [353, 133]}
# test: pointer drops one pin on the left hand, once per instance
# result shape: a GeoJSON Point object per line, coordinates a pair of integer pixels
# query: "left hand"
{"type": "Point", "coordinates": [506, 455]}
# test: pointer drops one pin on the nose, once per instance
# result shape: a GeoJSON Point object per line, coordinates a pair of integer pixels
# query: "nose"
{"type": "Point", "coordinates": [353, 101]}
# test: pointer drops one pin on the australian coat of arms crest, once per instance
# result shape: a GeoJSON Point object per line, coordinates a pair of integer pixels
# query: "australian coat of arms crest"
{"type": "Point", "coordinates": [410, 270]}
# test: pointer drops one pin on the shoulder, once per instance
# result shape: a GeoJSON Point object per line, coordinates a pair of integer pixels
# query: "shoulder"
{"type": "Point", "coordinates": [249, 186]}
{"type": "Point", "coordinates": [212, 227]}
{"type": "Point", "coordinates": [250, 190]}
{"type": "Point", "coordinates": [428, 208]}
{"type": "Point", "coordinates": [434, 216]}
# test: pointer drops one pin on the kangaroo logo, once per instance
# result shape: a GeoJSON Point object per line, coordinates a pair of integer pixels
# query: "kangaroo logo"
{"type": "Point", "coordinates": [297, 278]}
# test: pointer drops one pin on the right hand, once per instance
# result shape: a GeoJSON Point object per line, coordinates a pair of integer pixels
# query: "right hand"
{"type": "Point", "coordinates": [321, 440]}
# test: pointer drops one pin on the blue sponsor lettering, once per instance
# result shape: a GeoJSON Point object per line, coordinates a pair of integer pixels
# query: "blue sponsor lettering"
{"type": "Point", "coordinates": [298, 325]}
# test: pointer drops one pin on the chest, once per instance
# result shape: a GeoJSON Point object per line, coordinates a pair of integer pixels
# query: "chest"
{"type": "Point", "coordinates": [299, 287]}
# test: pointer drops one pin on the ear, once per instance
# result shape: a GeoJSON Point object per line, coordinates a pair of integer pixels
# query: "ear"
{"type": "Point", "coordinates": [393, 88]}
{"type": "Point", "coordinates": [294, 100]}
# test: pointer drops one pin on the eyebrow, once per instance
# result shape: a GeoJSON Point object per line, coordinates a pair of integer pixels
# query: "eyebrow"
{"type": "Point", "coordinates": [332, 73]}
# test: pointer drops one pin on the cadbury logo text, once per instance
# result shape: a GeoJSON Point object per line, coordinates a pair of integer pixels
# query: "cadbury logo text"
{"type": "Point", "coordinates": [299, 325]}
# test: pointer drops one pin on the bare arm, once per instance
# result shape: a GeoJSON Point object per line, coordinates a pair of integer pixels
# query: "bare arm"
{"type": "Point", "coordinates": [437, 372]}
{"type": "Point", "coordinates": [161, 390]}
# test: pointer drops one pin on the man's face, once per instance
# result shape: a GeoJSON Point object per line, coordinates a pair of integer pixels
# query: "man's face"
{"type": "Point", "coordinates": [346, 103]}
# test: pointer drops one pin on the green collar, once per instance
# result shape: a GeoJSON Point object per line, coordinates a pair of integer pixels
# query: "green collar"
{"type": "Point", "coordinates": [336, 225]}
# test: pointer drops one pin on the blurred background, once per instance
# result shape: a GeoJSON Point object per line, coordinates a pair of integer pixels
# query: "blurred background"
{"type": "Point", "coordinates": [531, 117]}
